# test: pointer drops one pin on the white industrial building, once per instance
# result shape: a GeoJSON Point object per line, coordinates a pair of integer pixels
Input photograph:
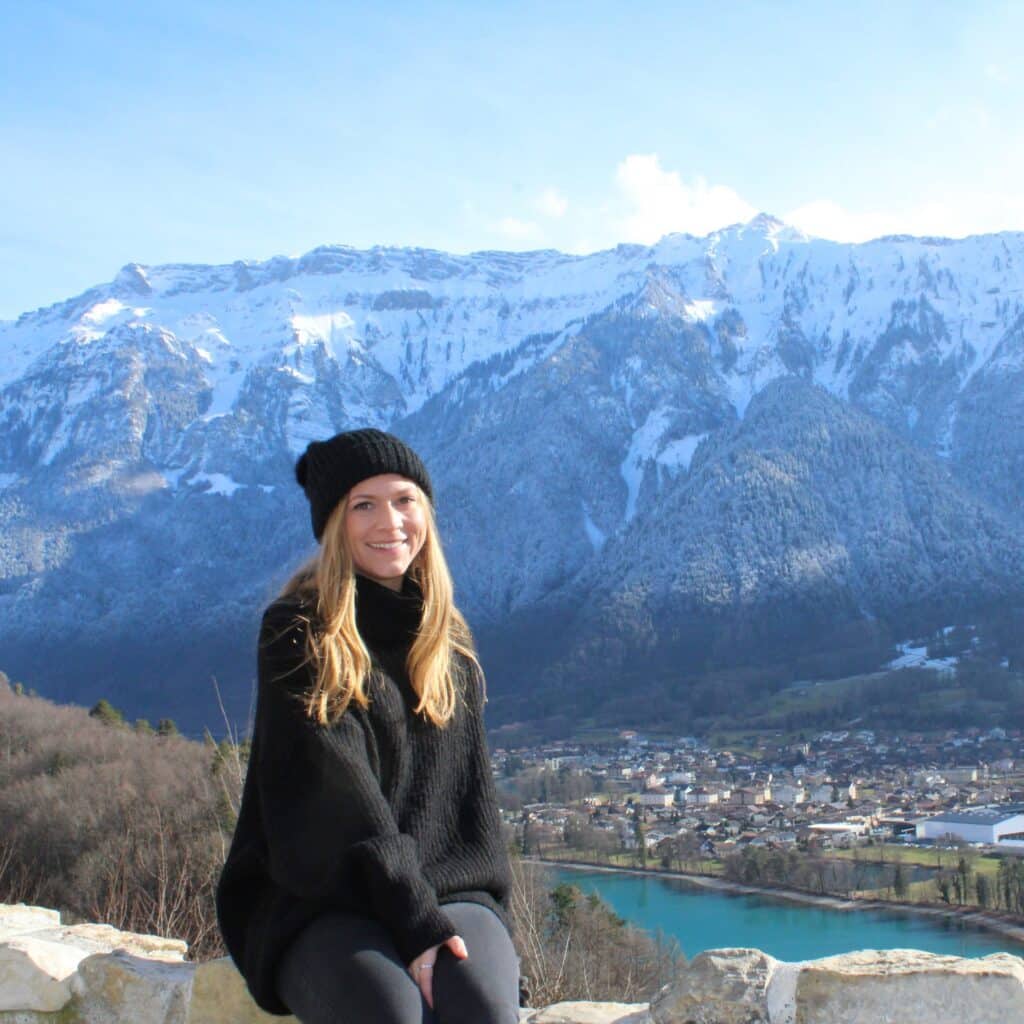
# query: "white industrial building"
{"type": "Point", "coordinates": [992, 825]}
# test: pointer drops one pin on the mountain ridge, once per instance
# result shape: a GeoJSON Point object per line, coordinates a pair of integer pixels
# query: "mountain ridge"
{"type": "Point", "coordinates": [566, 406]}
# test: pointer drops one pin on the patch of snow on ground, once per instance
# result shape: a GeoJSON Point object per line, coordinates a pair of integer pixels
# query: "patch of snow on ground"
{"type": "Point", "coordinates": [226, 386]}
{"type": "Point", "coordinates": [83, 335]}
{"type": "Point", "coordinates": [302, 378]}
{"type": "Point", "coordinates": [700, 309]}
{"type": "Point", "coordinates": [678, 454]}
{"type": "Point", "coordinates": [172, 476]}
{"type": "Point", "coordinates": [917, 657]}
{"type": "Point", "coordinates": [219, 483]}
{"type": "Point", "coordinates": [325, 328]}
{"type": "Point", "coordinates": [56, 444]}
{"type": "Point", "coordinates": [103, 311]}
{"type": "Point", "coordinates": [642, 450]}
{"type": "Point", "coordinates": [203, 334]}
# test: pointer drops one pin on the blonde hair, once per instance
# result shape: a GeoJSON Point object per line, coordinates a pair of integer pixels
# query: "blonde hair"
{"type": "Point", "coordinates": [339, 654]}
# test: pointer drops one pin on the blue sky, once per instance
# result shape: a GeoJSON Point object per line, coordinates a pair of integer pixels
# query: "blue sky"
{"type": "Point", "coordinates": [209, 132]}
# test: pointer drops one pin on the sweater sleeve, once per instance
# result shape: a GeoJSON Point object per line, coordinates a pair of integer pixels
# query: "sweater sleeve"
{"type": "Point", "coordinates": [479, 821]}
{"type": "Point", "coordinates": [330, 834]}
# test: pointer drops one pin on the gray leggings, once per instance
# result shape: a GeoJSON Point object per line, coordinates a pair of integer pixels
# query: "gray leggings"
{"type": "Point", "coordinates": [344, 969]}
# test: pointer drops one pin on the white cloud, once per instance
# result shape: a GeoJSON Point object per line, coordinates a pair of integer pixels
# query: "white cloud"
{"type": "Point", "coordinates": [552, 203]}
{"type": "Point", "coordinates": [661, 202]}
{"type": "Point", "coordinates": [953, 215]}
{"type": "Point", "coordinates": [647, 201]}
{"type": "Point", "coordinates": [518, 230]}
{"type": "Point", "coordinates": [826, 219]}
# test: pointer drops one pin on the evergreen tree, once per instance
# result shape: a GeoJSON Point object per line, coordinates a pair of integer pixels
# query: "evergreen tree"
{"type": "Point", "coordinates": [963, 872]}
{"type": "Point", "coordinates": [563, 903]}
{"type": "Point", "coordinates": [640, 833]}
{"type": "Point", "coordinates": [899, 882]}
{"type": "Point", "coordinates": [981, 888]}
{"type": "Point", "coordinates": [106, 713]}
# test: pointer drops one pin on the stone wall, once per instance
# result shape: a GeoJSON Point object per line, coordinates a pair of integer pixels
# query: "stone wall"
{"type": "Point", "coordinates": [71, 974]}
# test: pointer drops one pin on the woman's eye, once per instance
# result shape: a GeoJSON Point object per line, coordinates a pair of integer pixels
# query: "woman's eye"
{"type": "Point", "coordinates": [408, 499]}
{"type": "Point", "coordinates": [362, 506]}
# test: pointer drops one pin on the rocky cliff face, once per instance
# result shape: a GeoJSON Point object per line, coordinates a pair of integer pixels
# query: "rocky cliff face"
{"type": "Point", "coordinates": [683, 453]}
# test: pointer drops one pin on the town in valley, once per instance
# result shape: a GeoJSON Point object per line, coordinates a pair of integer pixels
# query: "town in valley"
{"type": "Point", "coordinates": [910, 817]}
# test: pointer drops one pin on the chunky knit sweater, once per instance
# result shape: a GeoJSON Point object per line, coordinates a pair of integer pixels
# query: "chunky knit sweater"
{"type": "Point", "coordinates": [382, 813]}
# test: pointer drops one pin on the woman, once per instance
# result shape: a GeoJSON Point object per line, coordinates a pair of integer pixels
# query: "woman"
{"type": "Point", "coordinates": [367, 879]}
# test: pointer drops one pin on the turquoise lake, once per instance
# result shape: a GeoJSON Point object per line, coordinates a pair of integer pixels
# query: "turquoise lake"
{"type": "Point", "coordinates": [700, 918]}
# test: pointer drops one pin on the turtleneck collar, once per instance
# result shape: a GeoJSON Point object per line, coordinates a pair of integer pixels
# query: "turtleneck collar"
{"type": "Point", "coordinates": [387, 619]}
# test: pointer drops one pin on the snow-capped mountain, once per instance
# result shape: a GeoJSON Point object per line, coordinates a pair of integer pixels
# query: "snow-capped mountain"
{"type": "Point", "coordinates": [635, 452]}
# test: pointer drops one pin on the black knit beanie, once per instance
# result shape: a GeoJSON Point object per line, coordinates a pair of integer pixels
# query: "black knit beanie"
{"type": "Point", "coordinates": [328, 470]}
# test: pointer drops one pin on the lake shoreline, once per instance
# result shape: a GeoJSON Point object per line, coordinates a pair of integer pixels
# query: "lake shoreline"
{"type": "Point", "coordinates": [975, 918]}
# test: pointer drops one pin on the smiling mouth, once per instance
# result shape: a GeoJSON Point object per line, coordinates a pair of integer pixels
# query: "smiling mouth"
{"type": "Point", "coordinates": [389, 546]}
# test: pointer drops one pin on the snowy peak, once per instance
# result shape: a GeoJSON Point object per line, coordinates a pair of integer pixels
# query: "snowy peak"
{"type": "Point", "coordinates": [765, 223]}
{"type": "Point", "coordinates": [764, 227]}
{"type": "Point", "coordinates": [131, 280]}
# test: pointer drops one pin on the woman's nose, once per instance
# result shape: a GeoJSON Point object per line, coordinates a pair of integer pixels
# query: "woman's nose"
{"type": "Point", "coordinates": [392, 515]}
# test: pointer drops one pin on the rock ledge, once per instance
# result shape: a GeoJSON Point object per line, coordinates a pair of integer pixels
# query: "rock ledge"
{"type": "Point", "coordinates": [95, 974]}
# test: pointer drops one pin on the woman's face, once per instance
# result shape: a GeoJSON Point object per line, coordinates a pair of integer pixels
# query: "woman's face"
{"type": "Point", "coordinates": [385, 527]}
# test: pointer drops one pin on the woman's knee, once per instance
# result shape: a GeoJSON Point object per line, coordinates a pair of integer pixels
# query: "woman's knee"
{"type": "Point", "coordinates": [465, 996]}
{"type": "Point", "coordinates": [345, 970]}
{"type": "Point", "coordinates": [483, 989]}
{"type": "Point", "coordinates": [478, 923]}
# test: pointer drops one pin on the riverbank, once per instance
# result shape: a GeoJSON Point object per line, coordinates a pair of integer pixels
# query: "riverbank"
{"type": "Point", "coordinates": [972, 916]}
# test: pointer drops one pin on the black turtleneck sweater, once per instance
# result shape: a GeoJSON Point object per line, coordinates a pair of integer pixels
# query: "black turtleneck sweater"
{"type": "Point", "coordinates": [382, 813]}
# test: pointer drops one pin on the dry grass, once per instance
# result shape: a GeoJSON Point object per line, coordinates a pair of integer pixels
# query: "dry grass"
{"type": "Point", "coordinates": [113, 825]}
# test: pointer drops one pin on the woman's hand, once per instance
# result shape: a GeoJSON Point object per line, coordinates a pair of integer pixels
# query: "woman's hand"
{"type": "Point", "coordinates": [422, 968]}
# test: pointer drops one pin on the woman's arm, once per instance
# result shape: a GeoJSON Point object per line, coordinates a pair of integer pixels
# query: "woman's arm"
{"type": "Point", "coordinates": [479, 820]}
{"type": "Point", "coordinates": [330, 834]}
